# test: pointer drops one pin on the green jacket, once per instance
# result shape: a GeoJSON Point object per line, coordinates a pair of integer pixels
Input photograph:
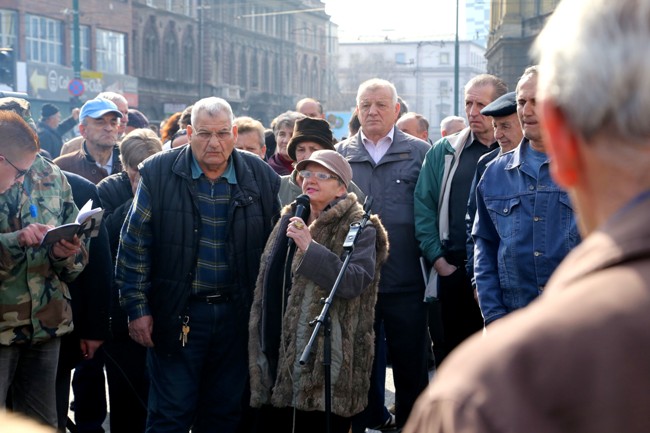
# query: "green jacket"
{"type": "Point", "coordinates": [432, 194]}
{"type": "Point", "coordinates": [34, 296]}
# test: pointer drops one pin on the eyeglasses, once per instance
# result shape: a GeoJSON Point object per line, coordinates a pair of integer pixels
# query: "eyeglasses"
{"type": "Point", "coordinates": [207, 135]}
{"type": "Point", "coordinates": [306, 174]}
{"type": "Point", "coordinates": [19, 173]}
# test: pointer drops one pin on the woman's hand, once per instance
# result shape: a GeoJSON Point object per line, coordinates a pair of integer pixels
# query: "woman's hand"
{"type": "Point", "coordinates": [299, 232]}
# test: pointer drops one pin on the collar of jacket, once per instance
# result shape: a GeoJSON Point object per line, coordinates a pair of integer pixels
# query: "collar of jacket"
{"type": "Point", "coordinates": [357, 151]}
{"type": "Point", "coordinates": [246, 184]}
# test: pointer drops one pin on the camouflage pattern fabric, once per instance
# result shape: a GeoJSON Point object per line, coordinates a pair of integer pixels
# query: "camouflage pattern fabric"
{"type": "Point", "coordinates": [34, 296]}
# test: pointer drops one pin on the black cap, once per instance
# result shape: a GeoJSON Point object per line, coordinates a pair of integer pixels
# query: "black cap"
{"type": "Point", "coordinates": [48, 110]}
{"type": "Point", "coordinates": [502, 106]}
{"type": "Point", "coordinates": [137, 119]}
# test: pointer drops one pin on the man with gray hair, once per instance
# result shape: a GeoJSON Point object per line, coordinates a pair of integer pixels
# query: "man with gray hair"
{"type": "Point", "coordinates": [385, 164]}
{"type": "Point", "coordinates": [186, 271]}
{"type": "Point", "coordinates": [576, 360]}
{"type": "Point", "coordinates": [451, 125]}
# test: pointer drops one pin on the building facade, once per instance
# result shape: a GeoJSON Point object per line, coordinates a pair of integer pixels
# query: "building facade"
{"type": "Point", "coordinates": [165, 54]}
{"type": "Point", "coordinates": [422, 71]}
{"type": "Point", "coordinates": [514, 25]}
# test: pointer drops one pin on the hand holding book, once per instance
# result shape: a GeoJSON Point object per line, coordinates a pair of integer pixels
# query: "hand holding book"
{"type": "Point", "coordinates": [86, 225]}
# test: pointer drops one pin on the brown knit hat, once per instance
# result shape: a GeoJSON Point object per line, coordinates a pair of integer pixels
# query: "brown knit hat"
{"type": "Point", "coordinates": [310, 129]}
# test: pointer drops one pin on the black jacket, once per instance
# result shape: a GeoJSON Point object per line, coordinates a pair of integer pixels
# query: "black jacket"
{"type": "Point", "coordinates": [90, 291]}
{"type": "Point", "coordinates": [51, 139]}
{"type": "Point", "coordinates": [116, 195]}
{"type": "Point", "coordinates": [175, 227]}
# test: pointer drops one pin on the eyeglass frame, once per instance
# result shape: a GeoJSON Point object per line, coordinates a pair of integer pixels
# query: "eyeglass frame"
{"type": "Point", "coordinates": [220, 135]}
{"type": "Point", "coordinates": [19, 172]}
{"type": "Point", "coordinates": [319, 175]}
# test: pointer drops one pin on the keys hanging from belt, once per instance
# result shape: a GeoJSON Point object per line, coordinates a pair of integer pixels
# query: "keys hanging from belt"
{"type": "Point", "coordinates": [185, 329]}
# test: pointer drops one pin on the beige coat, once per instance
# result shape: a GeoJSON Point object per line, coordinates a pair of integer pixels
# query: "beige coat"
{"type": "Point", "coordinates": [576, 360]}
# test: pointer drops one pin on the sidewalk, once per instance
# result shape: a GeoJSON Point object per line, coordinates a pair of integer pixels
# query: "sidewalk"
{"type": "Point", "coordinates": [390, 399]}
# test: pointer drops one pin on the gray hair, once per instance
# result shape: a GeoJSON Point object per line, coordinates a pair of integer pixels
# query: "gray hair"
{"type": "Point", "coordinates": [597, 74]}
{"type": "Point", "coordinates": [423, 123]}
{"type": "Point", "coordinates": [113, 97]}
{"type": "Point", "coordinates": [286, 120]}
{"type": "Point", "coordinates": [374, 84]}
{"type": "Point", "coordinates": [212, 106]}
{"type": "Point", "coordinates": [446, 123]}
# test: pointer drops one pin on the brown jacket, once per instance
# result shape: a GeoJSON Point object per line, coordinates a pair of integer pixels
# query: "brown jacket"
{"type": "Point", "coordinates": [576, 360]}
{"type": "Point", "coordinates": [80, 162]}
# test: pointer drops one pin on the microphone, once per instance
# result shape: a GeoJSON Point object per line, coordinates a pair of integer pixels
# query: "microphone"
{"type": "Point", "coordinates": [302, 210]}
{"type": "Point", "coordinates": [367, 204]}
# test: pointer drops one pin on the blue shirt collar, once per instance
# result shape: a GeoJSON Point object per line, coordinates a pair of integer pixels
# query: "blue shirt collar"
{"type": "Point", "coordinates": [229, 174]}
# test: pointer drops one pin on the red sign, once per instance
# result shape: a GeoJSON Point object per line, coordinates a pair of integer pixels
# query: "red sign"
{"type": "Point", "coordinates": [76, 87]}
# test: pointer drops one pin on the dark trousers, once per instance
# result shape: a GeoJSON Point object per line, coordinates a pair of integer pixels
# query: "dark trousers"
{"type": "Point", "coordinates": [375, 412]}
{"type": "Point", "coordinates": [128, 384]}
{"type": "Point", "coordinates": [201, 385]}
{"type": "Point", "coordinates": [436, 332]}
{"type": "Point", "coordinates": [460, 313]}
{"type": "Point", "coordinates": [404, 318]}
{"type": "Point", "coordinates": [289, 420]}
{"type": "Point", "coordinates": [88, 387]}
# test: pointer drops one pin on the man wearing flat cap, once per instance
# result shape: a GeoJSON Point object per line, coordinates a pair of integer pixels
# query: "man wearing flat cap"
{"type": "Point", "coordinates": [508, 133]}
{"type": "Point", "coordinates": [51, 129]}
{"type": "Point", "coordinates": [524, 224]}
{"type": "Point", "coordinates": [99, 155]}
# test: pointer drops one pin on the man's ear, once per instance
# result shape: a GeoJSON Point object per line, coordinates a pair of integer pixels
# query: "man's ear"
{"type": "Point", "coordinates": [562, 145]}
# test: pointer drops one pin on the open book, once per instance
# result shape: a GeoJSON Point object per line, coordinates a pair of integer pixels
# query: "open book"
{"type": "Point", "coordinates": [86, 225]}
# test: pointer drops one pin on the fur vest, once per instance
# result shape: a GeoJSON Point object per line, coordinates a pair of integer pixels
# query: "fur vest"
{"type": "Point", "coordinates": [303, 386]}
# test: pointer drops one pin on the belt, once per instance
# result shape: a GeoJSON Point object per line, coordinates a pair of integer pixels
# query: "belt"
{"type": "Point", "coordinates": [217, 298]}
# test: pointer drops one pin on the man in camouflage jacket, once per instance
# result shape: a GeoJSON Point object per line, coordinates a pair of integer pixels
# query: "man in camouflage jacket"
{"type": "Point", "coordinates": [34, 297]}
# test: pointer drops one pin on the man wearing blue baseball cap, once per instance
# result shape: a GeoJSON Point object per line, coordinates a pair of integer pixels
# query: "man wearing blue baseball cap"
{"type": "Point", "coordinates": [99, 156]}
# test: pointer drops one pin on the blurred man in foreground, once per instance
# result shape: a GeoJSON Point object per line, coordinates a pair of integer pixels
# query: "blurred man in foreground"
{"type": "Point", "coordinates": [577, 358]}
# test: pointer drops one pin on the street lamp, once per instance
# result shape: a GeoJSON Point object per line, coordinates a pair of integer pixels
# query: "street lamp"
{"type": "Point", "coordinates": [456, 65]}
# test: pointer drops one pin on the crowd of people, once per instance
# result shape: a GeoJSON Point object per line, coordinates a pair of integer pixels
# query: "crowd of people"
{"type": "Point", "coordinates": [502, 271]}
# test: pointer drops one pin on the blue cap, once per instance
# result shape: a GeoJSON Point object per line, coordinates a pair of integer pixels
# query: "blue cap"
{"type": "Point", "coordinates": [502, 106]}
{"type": "Point", "coordinates": [96, 108]}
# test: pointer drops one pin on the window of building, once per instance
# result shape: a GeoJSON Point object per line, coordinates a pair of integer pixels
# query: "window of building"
{"type": "Point", "coordinates": [84, 47]}
{"type": "Point", "coordinates": [43, 40]}
{"type": "Point", "coordinates": [188, 56]}
{"type": "Point", "coordinates": [8, 30]}
{"type": "Point", "coordinates": [400, 58]}
{"type": "Point", "coordinates": [111, 51]}
{"type": "Point", "coordinates": [444, 58]}
{"type": "Point", "coordinates": [150, 50]}
{"type": "Point", "coordinates": [170, 48]}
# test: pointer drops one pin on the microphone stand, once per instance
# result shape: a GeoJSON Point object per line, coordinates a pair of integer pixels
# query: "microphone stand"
{"type": "Point", "coordinates": [323, 318]}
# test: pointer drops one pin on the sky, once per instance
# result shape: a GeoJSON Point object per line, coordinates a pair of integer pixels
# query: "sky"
{"type": "Point", "coordinates": [399, 20]}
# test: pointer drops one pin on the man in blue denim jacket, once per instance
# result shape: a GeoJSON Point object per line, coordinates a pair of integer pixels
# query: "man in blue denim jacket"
{"type": "Point", "coordinates": [524, 223]}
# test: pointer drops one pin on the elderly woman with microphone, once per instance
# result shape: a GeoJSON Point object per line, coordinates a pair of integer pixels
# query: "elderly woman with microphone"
{"type": "Point", "coordinates": [300, 264]}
